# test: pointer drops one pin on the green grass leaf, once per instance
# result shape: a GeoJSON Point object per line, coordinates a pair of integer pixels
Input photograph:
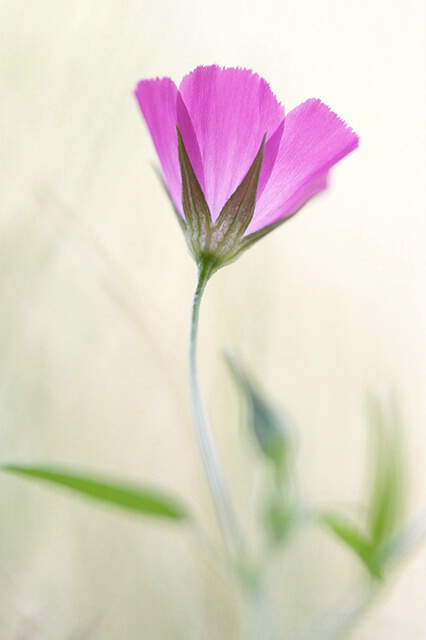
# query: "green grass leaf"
{"type": "Point", "coordinates": [142, 500]}
{"type": "Point", "coordinates": [388, 496]}
{"type": "Point", "coordinates": [385, 536]}
{"type": "Point", "coordinates": [350, 535]}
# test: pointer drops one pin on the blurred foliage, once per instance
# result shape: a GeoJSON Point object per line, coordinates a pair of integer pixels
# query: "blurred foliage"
{"type": "Point", "coordinates": [273, 433]}
{"type": "Point", "coordinates": [387, 503]}
{"type": "Point", "coordinates": [387, 491]}
{"type": "Point", "coordinates": [270, 429]}
{"type": "Point", "coordinates": [113, 492]}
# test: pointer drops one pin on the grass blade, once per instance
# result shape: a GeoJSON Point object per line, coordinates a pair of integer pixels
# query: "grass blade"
{"type": "Point", "coordinates": [121, 494]}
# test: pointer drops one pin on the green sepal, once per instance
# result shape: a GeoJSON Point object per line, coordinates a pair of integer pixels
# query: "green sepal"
{"type": "Point", "coordinates": [217, 244]}
{"type": "Point", "coordinates": [238, 211]}
{"type": "Point", "coordinates": [196, 210]}
{"type": "Point", "coordinates": [142, 500]}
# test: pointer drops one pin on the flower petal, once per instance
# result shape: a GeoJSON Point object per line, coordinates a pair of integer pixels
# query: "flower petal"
{"type": "Point", "coordinates": [157, 101]}
{"type": "Point", "coordinates": [314, 139]}
{"type": "Point", "coordinates": [231, 110]}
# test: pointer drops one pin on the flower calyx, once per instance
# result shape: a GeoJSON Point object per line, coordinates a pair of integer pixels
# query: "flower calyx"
{"type": "Point", "coordinates": [217, 243]}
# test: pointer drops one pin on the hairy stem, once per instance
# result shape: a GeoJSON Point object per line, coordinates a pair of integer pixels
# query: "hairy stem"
{"type": "Point", "coordinates": [217, 485]}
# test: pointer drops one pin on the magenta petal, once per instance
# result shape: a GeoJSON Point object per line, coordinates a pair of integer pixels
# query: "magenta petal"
{"type": "Point", "coordinates": [157, 100]}
{"type": "Point", "coordinates": [230, 110]}
{"type": "Point", "coordinates": [272, 148]}
{"type": "Point", "coordinates": [190, 141]}
{"type": "Point", "coordinates": [314, 139]}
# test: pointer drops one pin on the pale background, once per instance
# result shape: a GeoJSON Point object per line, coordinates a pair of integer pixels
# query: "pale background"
{"type": "Point", "coordinates": [95, 293]}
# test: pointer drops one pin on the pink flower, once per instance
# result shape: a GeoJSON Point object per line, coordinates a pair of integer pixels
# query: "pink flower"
{"type": "Point", "coordinates": [232, 129]}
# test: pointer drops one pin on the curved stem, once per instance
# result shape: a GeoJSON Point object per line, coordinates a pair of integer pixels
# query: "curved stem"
{"type": "Point", "coordinates": [215, 479]}
{"type": "Point", "coordinates": [260, 622]}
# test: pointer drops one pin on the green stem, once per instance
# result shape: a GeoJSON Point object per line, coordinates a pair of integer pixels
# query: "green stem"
{"type": "Point", "coordinates": [258, 618]}
{"type": "Point", "coordinates": [260, 623]}
{"type": "Point", "coordinates": [218, 490]}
